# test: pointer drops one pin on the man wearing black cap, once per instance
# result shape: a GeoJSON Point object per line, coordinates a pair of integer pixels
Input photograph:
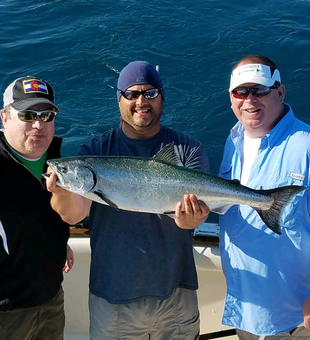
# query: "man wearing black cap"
{"type": "Point", "coordinates": [143, 279]}
{"type": "Point", "coordinates": [33, 237]}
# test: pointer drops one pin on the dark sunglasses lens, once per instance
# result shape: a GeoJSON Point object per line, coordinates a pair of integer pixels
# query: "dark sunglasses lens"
{"type": "Point", "coordinates": [130, 95]}
{"type": "Point", "coordinates": [261, 91]}
{"type": "Point", "coordinates": [26, 116]}
{"type": "Point", "coordinates": [134, 95]}
{"type": "Point", "coordinates": [151, 94]}
{"type": "Point", "coordinates": [31, 116]}
{"type": "Point", "coordinates": [240, 93]}
{"type": "Point", "coordinates": [47, 116]}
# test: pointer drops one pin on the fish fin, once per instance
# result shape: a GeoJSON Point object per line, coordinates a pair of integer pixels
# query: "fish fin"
{"type": "Point", "coordinates": [168, 154]}
{"type": "Point", "coordinates": [104, 198]}
{"type": "Point", "coordinates": [170, 212]}
{"type": "Point", "coordinates": [282, 196]}
{"type": "Point", "coordinates": [221, 210]}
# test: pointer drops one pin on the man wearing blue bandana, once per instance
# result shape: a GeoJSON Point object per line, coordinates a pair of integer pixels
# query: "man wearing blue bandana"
{"type": "Point", "coordinates": [267, 275]}
{"type": "Point", "coordinates": [143, 279]}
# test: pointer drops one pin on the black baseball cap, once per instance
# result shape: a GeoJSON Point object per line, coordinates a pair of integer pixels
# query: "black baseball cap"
{"type": "Point", "coordinates": [28, 91]}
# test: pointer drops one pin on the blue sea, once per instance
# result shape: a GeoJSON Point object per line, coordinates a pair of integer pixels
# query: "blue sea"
{"type": "Point", "coordinates": [80, 46]}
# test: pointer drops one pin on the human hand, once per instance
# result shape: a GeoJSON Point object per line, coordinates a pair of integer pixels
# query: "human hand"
{"type": "Point", "coordinates": [71, 207]}
{"type": "Point", "coordinates": [195, 213]}
{"type": "Point", "coordinates": [69, 260]}
{"type": "Point", "coordinates": [51, 185]}
{"type": "Point", "coordinates": [306, 311]}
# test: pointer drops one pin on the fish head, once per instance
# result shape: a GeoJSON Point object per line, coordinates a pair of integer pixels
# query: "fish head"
{"type": "Point", "coordinates": [74, 174]}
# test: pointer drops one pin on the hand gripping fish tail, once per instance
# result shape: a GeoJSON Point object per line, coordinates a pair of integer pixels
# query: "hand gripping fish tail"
{"type": "Point", "coordinates": [282, 196]}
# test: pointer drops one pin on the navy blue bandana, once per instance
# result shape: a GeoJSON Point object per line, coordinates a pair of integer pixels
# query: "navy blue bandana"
{"type": "Point", "coordinates": [138, 73]}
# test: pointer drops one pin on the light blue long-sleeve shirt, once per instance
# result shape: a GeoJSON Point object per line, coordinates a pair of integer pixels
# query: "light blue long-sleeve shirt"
{"type": "Point", "coordinates": [268, 275]}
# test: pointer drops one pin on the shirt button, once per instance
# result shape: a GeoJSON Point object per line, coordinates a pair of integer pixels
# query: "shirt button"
{"type": "Point", "coordinates": [233, 211]}
{"type": "Point", "coordinates": [232, 240]}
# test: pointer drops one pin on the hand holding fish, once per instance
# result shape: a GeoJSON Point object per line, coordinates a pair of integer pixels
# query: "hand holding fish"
{"type": "Point", "coordinates": [194, 214]}
{"type": "Point", "coordinates": [71, 207]}
{"type": "Point", "coordinates": [51, 186]}
{"type": "Point", "coordinates": [307, 313]}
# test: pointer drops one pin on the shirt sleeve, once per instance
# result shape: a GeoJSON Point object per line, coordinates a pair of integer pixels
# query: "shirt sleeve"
{"type": "Point", "coordinates": [92, 148]}
{"type": "Point", "coordinates": [84, 150]}
{"type": "Point", "coordinates": [204, 162]}
{"type": "Point", "coordinates": [193, 155]}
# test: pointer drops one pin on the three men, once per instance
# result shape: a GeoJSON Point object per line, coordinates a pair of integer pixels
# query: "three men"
{"type": "Point", "coordinates": [268, 275]}
{"type": "Point", "coordinates": [33, 240]}
{"type": "Point", "coordinates": [143, 279]}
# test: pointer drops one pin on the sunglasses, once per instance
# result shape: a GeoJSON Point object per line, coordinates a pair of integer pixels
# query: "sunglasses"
{"type": "Point", "coordinates": [134, 95]}
{"type": "Point", "coordinates": [29, 116]}
{"type": "Point", "coordinates": [243, 92]}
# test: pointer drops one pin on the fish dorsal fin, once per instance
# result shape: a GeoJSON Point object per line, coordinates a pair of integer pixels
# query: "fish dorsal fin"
{"type": "Point", "coordinates": [168, 154]}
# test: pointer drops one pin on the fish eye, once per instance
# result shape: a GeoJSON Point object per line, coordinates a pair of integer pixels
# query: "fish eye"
{"type": "Point", "coordinates": [62, 169]}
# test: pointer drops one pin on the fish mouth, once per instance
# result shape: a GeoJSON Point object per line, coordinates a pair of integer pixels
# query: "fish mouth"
{"type": "Point", "coordinates": [60, 179]}
{"type": "Point", "coordinates": [52, 166]}
{"type": "Point", "coordinates": [46, 175]}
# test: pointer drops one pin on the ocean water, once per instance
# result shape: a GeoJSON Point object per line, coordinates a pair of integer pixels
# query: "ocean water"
{"type": "Point", "coordinates": [80, 46]}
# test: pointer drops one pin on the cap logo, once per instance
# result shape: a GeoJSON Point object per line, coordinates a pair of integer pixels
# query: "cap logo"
{"type": "Point", "coordinates": [34, 86]}
{"type": "Point", "coordinates": [140, 79]}
{"type": "Point", "coordinates": [256, 68]}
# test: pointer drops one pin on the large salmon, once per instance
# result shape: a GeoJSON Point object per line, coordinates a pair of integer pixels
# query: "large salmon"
{"type": "Point", "coordinates": [156, 184]}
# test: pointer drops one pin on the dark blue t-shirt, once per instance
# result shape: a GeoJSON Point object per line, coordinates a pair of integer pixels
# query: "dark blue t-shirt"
{"type": "Point", "coordinates": [136, 255]}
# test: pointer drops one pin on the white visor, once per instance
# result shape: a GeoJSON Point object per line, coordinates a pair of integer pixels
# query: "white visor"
{"type": "Point", "coordinates": [253, 73]}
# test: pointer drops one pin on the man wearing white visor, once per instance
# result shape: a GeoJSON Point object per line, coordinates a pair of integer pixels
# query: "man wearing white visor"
{"type": "Point", "coordinates": [267, 275]}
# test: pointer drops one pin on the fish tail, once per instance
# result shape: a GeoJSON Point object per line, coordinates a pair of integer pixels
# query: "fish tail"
{"type": "Point", "coordinates": [282, 196]}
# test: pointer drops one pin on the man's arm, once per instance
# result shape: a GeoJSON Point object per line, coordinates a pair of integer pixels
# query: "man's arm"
{"type": "Point", "coordinates": [71, 207]}
{"type": "Point", "coordinates": [307, 313]}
